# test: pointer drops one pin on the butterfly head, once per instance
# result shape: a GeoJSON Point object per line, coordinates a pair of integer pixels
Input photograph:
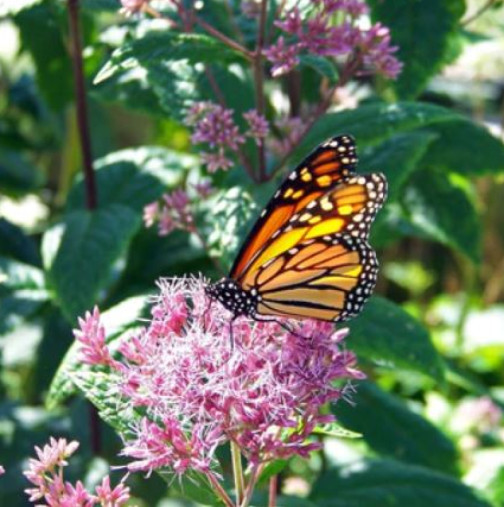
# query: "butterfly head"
{"type": "Point", "coordinates": [237, 300]}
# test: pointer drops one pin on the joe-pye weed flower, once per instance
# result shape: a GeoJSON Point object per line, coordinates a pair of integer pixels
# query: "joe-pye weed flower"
{"type": "Point", "coordinates": [197, 393]}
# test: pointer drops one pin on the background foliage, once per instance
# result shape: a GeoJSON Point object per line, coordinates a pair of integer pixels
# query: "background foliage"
{"type": "Point", "coordinates": [431, 340]}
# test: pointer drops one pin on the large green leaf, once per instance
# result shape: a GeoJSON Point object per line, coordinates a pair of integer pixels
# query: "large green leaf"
{"type": "Point", "coordinates": [442, 209]}
{"type": "Point", "coordinates": [385, 333]}
{"type": "Point", "coordinates": [397, 158]}
{"type": "Point", "coordinates": [373, 123]}
{"type": "Point", "coordinates": [396, 431]}
{"type": "Point", "coordinates": [79, 254]}
{"type": "Point", "coordinates": [165, 61]}
{"type": "Point", "coordinates": [384, 483]}
{"type": "Point", "coordinates": [465, 147]}
{"type": "Point", "coordinates": [134, 177]}
{"type": "Point", "coordinates": [423, 30]}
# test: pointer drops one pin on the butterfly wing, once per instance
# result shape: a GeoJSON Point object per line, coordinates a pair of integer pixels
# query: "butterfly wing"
{"type": "Point", "coordinates": [328, 278]}
{"type": "Point", "coordinates": [328, 164]}
{"type": "Point", "coordinates": [349, 207]}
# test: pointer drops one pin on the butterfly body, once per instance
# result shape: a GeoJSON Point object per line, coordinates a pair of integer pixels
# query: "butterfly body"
{"type": "Point", "coordinates": [308, 255]}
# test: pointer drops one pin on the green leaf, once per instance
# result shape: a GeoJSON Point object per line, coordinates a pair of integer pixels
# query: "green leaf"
{"type": "Point", "coordinates": [465, 147]}
{"type": "Point", "coordinates": [323, 66]}
{"type": "Point", "coordinates": [14, 243]}
{"type": "Point", "coordinates": [165, 61]}
{"type": "Point", "coordinates": [423, 30]}
{"type": "Point", "coordinates": [335, 430]}
{"type": "Point", "coordinates": [97, 387]}
{"type": "Point", "coordinates": [134, 177]}
{"type": "Point", "coordinates": [226, 221]}
{"type": "Point", "coordinates": [41, 35]}
{"type": "Point", "coordinates": [79, 254]}
{"type": "Point", "coordinates": [373, 123]}
{"type": "Point", "coordinates": [150, 258]}
{"type": "Point", "coordinates": [386, 483]}
{"type": "Point", "coordinates": [162, 46]}
{"type": "Point", "coordinates": [395, 431]}
{"type": "Point", "coordinates": [193, 486]}
{"type": "Point", "coordinates": [397, 158]}
{"type": "Point", "coordinates": [442, 209]}
{"type": "Point", "coordinates": [17, 175]}
{"type": "Point", "coordinates": [385, 333]}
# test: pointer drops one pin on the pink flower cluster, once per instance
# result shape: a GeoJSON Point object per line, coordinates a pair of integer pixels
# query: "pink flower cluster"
{"type": "Point", "coordinates": [175, 210]}
{"type": "Point", "coordinates": [46, 474]}
{"type": "Point", "coordinates": [214, 125]}
{"type": "Point", "coordinates": [197, 392]}
{"type": "Point", "coordinates": [314, 31]}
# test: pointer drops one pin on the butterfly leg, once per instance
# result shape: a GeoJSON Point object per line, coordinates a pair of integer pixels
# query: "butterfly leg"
{"type": "Point", "coordinates": [231, 336]}
{"type": "Point", "coordinates": [280, 323]}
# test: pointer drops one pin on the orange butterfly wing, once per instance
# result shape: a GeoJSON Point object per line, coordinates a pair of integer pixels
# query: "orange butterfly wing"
{"type": "Point", "coordinates": [322, 169]}
{"type": "Point", "coordinates": [307, 255]}
{"type": "Point", "coordinates": [327, 279]}
{"type": "Point", "coordinates": [349, 207]}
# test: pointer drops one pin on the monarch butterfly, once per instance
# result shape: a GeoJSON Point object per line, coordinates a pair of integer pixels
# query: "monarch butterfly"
{"type": "Point", "coordinates": [308, 253]}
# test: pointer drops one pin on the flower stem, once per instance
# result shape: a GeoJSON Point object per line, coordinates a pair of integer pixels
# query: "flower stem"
{"type": "Point", "coordinates": [224, 38]}
{"type": "Point", "coordinates": [273, 485]}
{"type": "Point", "coordinates": [237, 472]}
{"type": "Point", "coordinates": [219, 490]}
{"type": "Point", "coordinates": [259, 83]}
{"type": "Point", "coordinates": [80, 98]}
{"type": "Point", "coordinates": [87, 161]}
{"type": "Point", "coordinates": [256, 472]}
{"type": "Point", "coordinates": [322, 108]}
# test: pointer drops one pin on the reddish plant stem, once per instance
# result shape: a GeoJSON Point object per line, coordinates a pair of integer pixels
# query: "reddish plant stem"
{"type": "Point", "coordinates": [272, 492]}
{"type": "Point", "coordinates": [219, 490]}
{"type": "Point", "coordinates": [80, 98]}
{"type": "Point", "coordinates": [324, 105]}
{"type": "Point", "coordinates": [254, 476]}
{"type": "Point", "coordinates": [211, 79]}
{"type": "Point", "coordinates": [224, 38]}
{"type": "Point", "coordinates": [259, 84]}
{"type": "Point", "coordinates": [87, 161]}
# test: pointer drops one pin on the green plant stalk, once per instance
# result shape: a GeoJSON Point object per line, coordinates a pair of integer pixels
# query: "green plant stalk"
{"type": "Point", "coordinates": [237, 472]}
